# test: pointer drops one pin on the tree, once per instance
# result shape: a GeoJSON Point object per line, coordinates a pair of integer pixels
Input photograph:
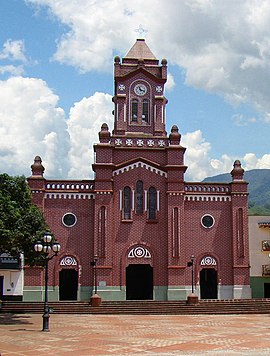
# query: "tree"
{"type": "Point", "coordinates": [21, 222]}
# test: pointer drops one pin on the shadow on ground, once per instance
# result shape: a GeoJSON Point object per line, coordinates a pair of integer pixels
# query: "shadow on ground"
{"type": "Point", "coordinates": [15, 319]}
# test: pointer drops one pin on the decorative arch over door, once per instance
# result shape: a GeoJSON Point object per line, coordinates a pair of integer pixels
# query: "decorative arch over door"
{"type": "Point", "coordinates": [139, 273]}
{"type": "Point", "coordinates": [208, 278]}
{"type": "Point", "coordinates": [68, 278]}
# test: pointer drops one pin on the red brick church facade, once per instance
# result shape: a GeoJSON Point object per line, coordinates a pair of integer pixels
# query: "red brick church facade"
{"type": "Point", "coordinates": [139, 218]}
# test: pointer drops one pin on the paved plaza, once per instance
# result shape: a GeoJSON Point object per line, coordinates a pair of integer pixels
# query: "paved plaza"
{"type": "Point", "coordinates": [100, 335]}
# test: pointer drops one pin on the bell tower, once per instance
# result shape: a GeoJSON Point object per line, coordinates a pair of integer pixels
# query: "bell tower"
{"type": "Point", "coordinates": [139, 93]}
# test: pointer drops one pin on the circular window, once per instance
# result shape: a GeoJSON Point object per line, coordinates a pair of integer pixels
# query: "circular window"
{"type": "Point", "coordinates": [207, 221]}
{"type": "Point", "coordinates": [69, 219]}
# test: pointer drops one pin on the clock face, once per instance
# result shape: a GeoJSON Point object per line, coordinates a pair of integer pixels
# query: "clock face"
{"type": "Point", "coordinates": [140, 89]}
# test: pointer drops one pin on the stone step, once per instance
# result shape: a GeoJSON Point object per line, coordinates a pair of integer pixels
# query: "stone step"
{"type": "Point", "coordinates": [236, 306]}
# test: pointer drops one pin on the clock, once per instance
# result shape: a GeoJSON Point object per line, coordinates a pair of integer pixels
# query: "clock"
{"type": "Point", "coordinates": [140, 89]}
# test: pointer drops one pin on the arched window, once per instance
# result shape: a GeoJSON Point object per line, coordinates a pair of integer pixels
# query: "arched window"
{"type": "Point", "coordinates": [152, 203]}
{"type": "Point", "coordinates": [127, 203]}
{"type": "Point", "coordinates": [145, 110]}
{"type": "Point", "coordinates": [139, 197]}
{"type": "Point", "coordinates": [134, 110]}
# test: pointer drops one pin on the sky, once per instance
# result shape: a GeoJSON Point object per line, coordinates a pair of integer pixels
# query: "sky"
{"type": "Point", "coordinates": [56, 79]}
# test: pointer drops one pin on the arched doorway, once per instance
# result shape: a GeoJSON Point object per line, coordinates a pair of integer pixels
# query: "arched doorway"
{"type": "Point", "coordinates": [208, 283]}
{"type": "Point", "coordinates": [139, 282]}
{"type": "Point", "coordinates": [68, 284]}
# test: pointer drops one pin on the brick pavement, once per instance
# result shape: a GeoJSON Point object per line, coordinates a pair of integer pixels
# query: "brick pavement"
{"type": "Point", "coordinates": [100, 335]}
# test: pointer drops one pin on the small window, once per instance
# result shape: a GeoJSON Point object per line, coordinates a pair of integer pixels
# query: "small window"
{"type": "Point", "coordinates": [266, 245]}
{"type": "Point", "coordinates": [139, 197]}
{"type": "Point", "coordinates": [145, 110]}
{"type": "Point", "coordinates": [69, 219]}
{"type": "Point", "coordinates": [207, 221]}
{"type": "Point", "coordinates": [134, 110]}
{"type": "Point", "coordinates": [127, 203]}
{"type": "Point", "coordinates": [152, 203]}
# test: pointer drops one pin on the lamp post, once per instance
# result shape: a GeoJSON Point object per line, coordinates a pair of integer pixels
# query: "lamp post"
{"type": "Point", "coordinates": [192, 299]}
{"type": "Point", "coordinates": [94, 264]}
{"type": "Point", "coordinates": [95, 299]}
{"type": "Point", "coordinates": [46, 246]}
{"type": "Point", "coordinates": [192, 273]}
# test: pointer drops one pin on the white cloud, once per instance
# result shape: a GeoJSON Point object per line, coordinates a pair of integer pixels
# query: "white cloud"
{"type": "Point", "coordinates": [241, 120]}
{"type": "Point", "coordinates": [86, 118]}
{"type": "Point", "coordinates": [221, 51]}
{"type": "Point", "coordinates": [197, 158]}
{"type": "Point", "coordinates": [13, 50]}
{"type": "Point", "coordinates": [29, 113]}
{"type": "Point", "coordinates": [170, 84]}
{"type": "Point", "coordinates": [252, 162]}
{"type": "Point", "coordinates": [13, 70]}
{"type": "Point", "coordinates": [218, 50]}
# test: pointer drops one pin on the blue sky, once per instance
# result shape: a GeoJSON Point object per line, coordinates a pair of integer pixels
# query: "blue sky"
{"type": "Point", "coordinates": [56, 79]}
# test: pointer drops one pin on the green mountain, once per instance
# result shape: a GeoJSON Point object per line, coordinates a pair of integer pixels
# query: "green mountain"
{"type": "Point", "coordinates": [258, 188]}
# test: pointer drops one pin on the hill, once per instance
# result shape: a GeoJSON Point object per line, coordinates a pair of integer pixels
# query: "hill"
{"type": "Point", "coordinates": [258, 188]}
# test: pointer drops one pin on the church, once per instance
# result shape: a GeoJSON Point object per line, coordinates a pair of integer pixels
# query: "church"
{"type": "Point", "coordinates": [138, 230]}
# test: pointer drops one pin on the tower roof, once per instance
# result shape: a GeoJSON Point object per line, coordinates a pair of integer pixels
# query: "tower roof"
{"type": "Point", "coordinates": [140, 50]}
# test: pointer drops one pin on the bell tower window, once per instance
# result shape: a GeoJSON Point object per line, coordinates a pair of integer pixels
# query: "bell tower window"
{"type": "Point", "coordinates": [134, 110]}
{"type": "Point", "coordinates": [145, 110]}
{"type": "Point", "coordinates": [139, 197]}
{"type": "Point", "coordinates": [152, 203]}
{"type": "Point", "coordinates": [127, 203]}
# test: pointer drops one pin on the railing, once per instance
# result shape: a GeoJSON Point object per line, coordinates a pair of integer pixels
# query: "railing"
{"type": "Point", "coordinates": [207, 188]}
{"type": "Point", "coordinates": [69, 185]}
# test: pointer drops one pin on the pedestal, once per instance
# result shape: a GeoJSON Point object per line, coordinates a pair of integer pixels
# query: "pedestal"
{"type": "Point", "coordinates": [95, 300]}
{"type": "Point", "coordinates": [192, 299]}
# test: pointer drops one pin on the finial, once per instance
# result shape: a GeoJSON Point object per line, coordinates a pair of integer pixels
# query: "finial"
{"type": "Point", "coordinates": [104, 134]}
{"type": "Point", "coordinates": [141, 31]}
{"type": "Point", "coordinates": [37, 167]}
{"type": "Point", "coordinates": [238, 172]}
{"type": "Point", "coordinates": [174, 136]}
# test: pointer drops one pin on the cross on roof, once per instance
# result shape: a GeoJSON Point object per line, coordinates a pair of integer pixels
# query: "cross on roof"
{"type": "Point", "coordinates": [142, 31]}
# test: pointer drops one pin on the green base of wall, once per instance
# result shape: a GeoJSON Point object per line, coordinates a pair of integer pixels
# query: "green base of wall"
{"type": "Point", "coordinates": [36, 294]}
{"type": "Point", "coordinates": [177, 293]}
{"type": "Point", "coordinates": [31, 294]}
{"type": "Point", "coordinates": [257, 286]}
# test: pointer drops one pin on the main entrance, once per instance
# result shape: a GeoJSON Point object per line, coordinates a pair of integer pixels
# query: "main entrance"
{"type": "Point", "coordinates": [68, 284]}
{"type": "Point", "coordinates": [139, 282]}
{"type": "Point", "coordinates": [208, 283]}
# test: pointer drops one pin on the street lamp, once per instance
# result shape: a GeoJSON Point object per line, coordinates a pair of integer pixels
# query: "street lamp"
{"type": "Point", "coordinates": [95, 298]}
{"type": "Point", "coordinates": [94, 264]}
{"type": "Point", "coordinates": [46, 246]}
{"type": "Point", "coordinates": [191, 264]}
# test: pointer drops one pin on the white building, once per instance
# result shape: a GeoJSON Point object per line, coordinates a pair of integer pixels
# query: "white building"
{"type": "Point", "coordinates": [11, 277]}
{"type": "Point", "coordinates": [259, 249]}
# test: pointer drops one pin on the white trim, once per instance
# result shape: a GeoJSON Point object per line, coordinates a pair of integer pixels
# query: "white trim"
{"type": "Point", "coordinates": [120, 200]}
{"type": "Point", "coordinates": [145, 200]}
{"type": "Point", "coordinates": [125, 112]}
{"type": "Point", "coordinates": [137, 164]}
{"type": "Point", "coordinates": [202, 197]}
{"type": "Point", "coordinates": [158, 200]}
{"type": "Point", "coordinates": [69, 213]}
{"type": "Point", "coordinates": [207, 227]}
{"type": "Point", "coordinates": [58, 195]}
{"type": "Point", "coordinates": [133, 200]}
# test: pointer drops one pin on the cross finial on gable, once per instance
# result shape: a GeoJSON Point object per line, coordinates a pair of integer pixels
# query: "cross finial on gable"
{"type": "Point", "coordinates": [141, 31]}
